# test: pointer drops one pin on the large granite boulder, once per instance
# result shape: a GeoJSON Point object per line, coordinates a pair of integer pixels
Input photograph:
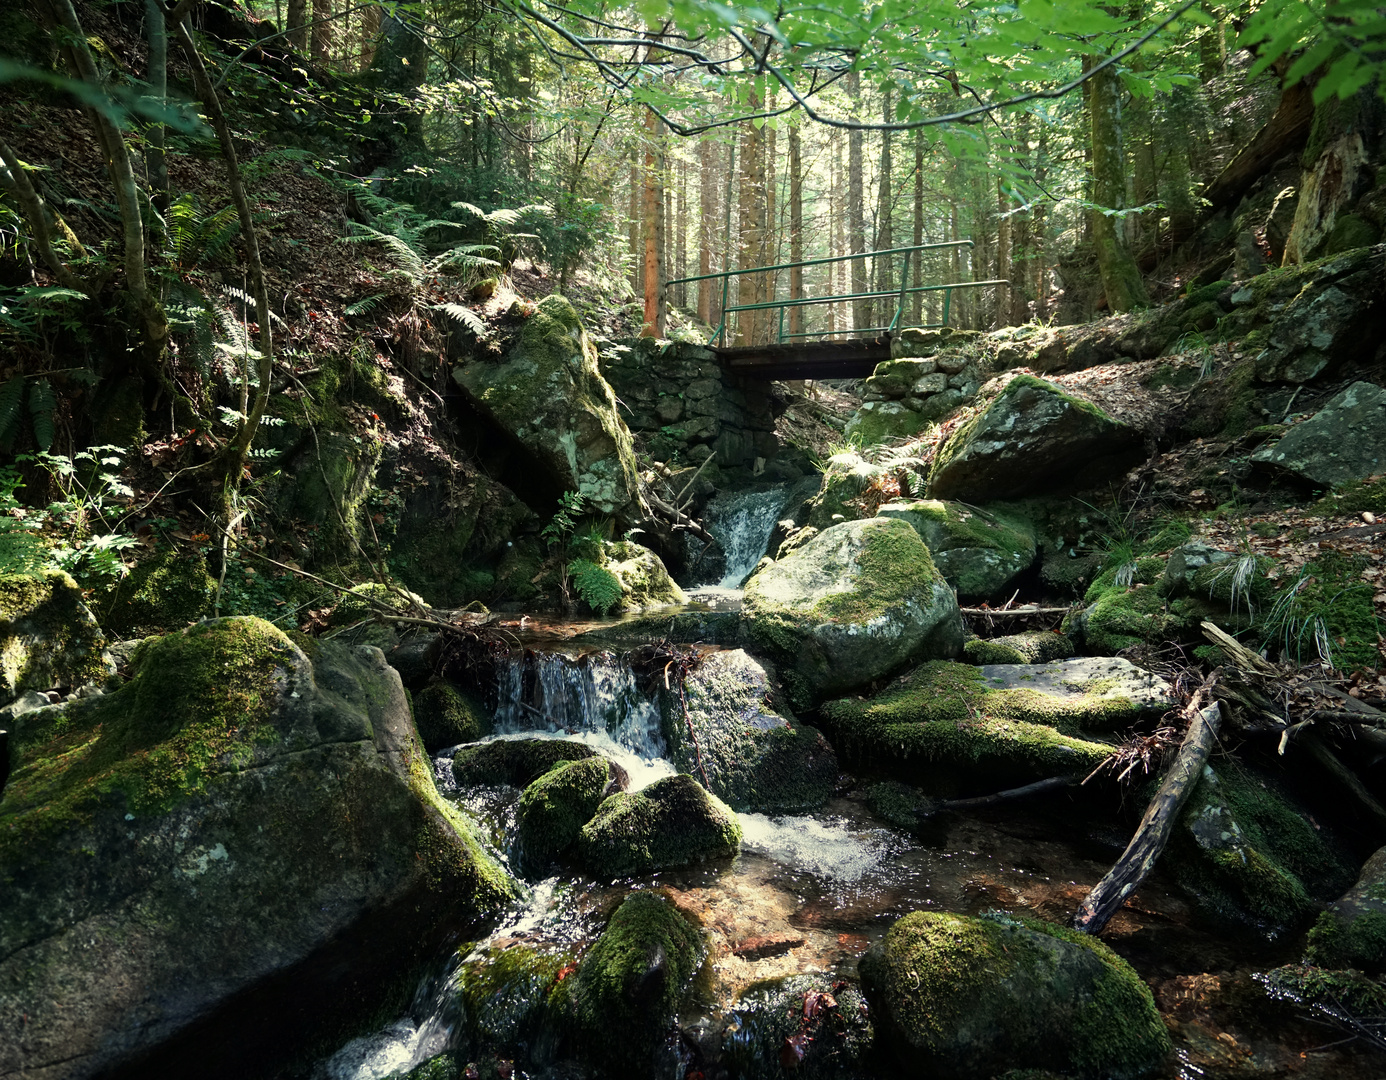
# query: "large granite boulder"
{"type": "Point", "coordinates": [673, 822]}
{"type": "Point", "coordinates": [549, 395]}
{"type": "Point", "coordinates": [230, 812]}
{"type": "Point", "coordinates": [846, 478]}
{"type": "Point", "coordinates": [956, 729]}
{"type": "Point", "coordinates": [1033, 437]}
{"type": "Point", "coordinates": [1352, 932]}
{"type": "Point", "coordinates": [960, 998]}
{"type": "Point", "coordinates": [1342, 442]}
{"type": "Point", "coordinates": [979, 552]}
{"type": "Point", "coordinates": [516, 762]}
{"type": "Point", "coordinates": [729, 725]}
{"type": "Point", "coordinates": [856, 602]}
{"type": "Point", "coordinates": [555, 807]}
{"type": "Point", "coordinates": [48, 638]}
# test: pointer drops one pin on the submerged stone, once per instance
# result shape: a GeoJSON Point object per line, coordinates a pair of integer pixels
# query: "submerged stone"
{"type": "Point", "coordinates": [231, 811]}
{"type": "Point", "coordinates": [859, 600]}
{"type": "Point", "coordinates": [673, 822]}
{"type": "Point", "coordinates": [800, 1025]}
{"type": "Point", "coordinates": [1032, 438]}
{"type": "Point", "coordinates": [729, 724]}
{"type": "Point", "coordinates": [960, 998]}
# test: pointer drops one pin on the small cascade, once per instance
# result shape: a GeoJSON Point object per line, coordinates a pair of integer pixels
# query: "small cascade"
{"type": "Point", "coordinates": [742, 522]}
{"type": "Point", "coordinates": [594, 697]}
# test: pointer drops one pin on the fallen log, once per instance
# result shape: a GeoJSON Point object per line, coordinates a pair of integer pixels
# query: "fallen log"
{"type": "Point", "coordinates": [1039, 787]}
{"type": "Point", "coordinates": [1001, 613]}
{"type": "Point", "coordinates": [1153, 834]}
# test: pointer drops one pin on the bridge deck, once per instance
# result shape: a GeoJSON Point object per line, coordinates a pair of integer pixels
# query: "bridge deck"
{"type": "Point", "coordinates": [806, 360]}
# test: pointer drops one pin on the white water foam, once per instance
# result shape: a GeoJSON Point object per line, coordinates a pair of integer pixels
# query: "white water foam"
{"type": "Point", "coordinates": [827, 848]}
{"type": "Point", "coordinates": [742, 522]}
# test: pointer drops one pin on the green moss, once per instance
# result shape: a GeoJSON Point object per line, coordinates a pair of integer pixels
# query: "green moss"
{"type": "Point", "coordinates": [512, 997]}
{"type": "Point", "coordinates": [673, 822]}
{"type": "Point", "coordinates": [1148, 570]}
{"type": "Point", "coordinates": [47, 639]}
{"type": "Point", "coordinates": [897, 804]}
{"type": "Point", "coordinates": [166, 591]}
{"type": "Point", "coordinates": [892, 566]}
{"type": "Point", "coordinates": [1357, 943]}
{"type": "Point", "coordinates": [1038, 647]}
{"type": "Point", "coordinates": [1335, 991]}
{"type": "Point", "coordinates": [1331, 590]}
{"type": "Point", "coordinates": [196, 707]}
{"type": "Point", "coordinates": [630, 983]}
{"type": "Point", "coordinates": [1120, 618]}
{"type": "Point", "coordinates": [517, 762]}
{"type": "Point", "coordinates": [1355, 497]}
{"type": "Point", "coordinates": [445, 716]}
{"type": "Point", "coordinates": [369, 597]}
{"type": "Point", "coordinates": [555, 807]}
{"type": "Point", "coordinates": [1206, 293]}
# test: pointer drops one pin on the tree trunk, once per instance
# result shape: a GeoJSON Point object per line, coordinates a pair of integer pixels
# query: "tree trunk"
{"type": "Point", "coordinates": [158, 90]}
{"type": "Point", "coordinates": [1003, 251]}
{"type": "Point", "coordinates": [653, 228]}
{"type": "Point", "coordinates": [370, 35]}
{"type": "Point", "coordinates": [635, 214]}
{"type": "Point", "coordinates": [1121, 278]}
{"type": "Point", "coordinates": [796, 229]}
{"type": "Point", "coordinates": [1337, 171]}
{"type": "Point", "coordinates": [917, 301]}
{"type": "Point", "coordinates": [298, 25]}
{"type": "Point", "coordinates": [751, 227]}
{"type": "Point", "coordinates": [707, 215]}
{"type": "Point", "coordinates": [323, 32]}
{"type": "Point", "coordinates": [681, 233]}
{"type": "Point", "coordinates": [885, 233]}
{"type": "Point", "coordinates": [856, 211]}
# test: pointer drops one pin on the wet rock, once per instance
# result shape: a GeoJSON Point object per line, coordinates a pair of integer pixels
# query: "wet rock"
{"type": "Point", "coordinates": [1030, 647]}
{"type": "Point", "coordinates": [555, 807]}
{"type": "Point", "coordinates": [226, 814]}
{"type": "Point", "coordinates": [1352, 932]}
{"type": "Point", "coordinates": [512, 1005]}
{"type": "Point", "coordinates": [856, 602]}
{"type": "Point", "coordinates": [630, 984]}
{"type": "Point", "coordinates": [1095, 679]}
{"type": "Point", "coordinates": [1342, 442]}
{"type": "Point", "coordinates": [517, 762]}
{"type": "Point", "coordinates": [673, 822]}
{"type": "Point", "coordinates": [945, 729]}
{"type": "Point", "coordinates": [48, 637]}
{"type": "Point", "coordinates": [645, 583]}
{"type": "Point", "coordinates": [799, 1025]}
{"type": "Point", "coordinates": [761, 948]}
{"type": "Point", "coordinates": [1032, 438]}
{"type": "Point", "coordinates": [958, 998]}
{"type": "Point", "coordinates": [550, 396]}
{"type": "Point", "coordinates": [1119, 616]}
{"type": "Point", "coordinates": [756, 756]}
{"type": "Point", "coordinates": [979, 552]}
{"type": "Point", "coordinates": [446, 716]}
{"type": "Point", "coordinates": [1249, 857]}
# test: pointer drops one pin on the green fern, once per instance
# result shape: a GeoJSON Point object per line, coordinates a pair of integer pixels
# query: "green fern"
{"type": "Point", "coordinates": [599, 588]}
{"type": "Point", "coordinates": [464, 315]}
{"type": "Point", "coordinates": [365, 305]}
{"type": "Point", "coordinates": [11, 402]}
{"type": "Point", "coordinates": [194, 238]}
{"type": "Point", "coordinates": [42, 405]}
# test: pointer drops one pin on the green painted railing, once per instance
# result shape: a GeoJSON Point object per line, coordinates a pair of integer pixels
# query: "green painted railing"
{"type": "Point", "coordinates": [906, 290]}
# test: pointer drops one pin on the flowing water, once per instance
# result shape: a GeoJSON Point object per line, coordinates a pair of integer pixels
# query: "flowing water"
{"type": "Point", "coordinates": [833, 882]}
{"type": "Point", "coordinates": [742, 522]}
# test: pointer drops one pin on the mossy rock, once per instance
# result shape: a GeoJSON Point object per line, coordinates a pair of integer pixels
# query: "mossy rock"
{"type": "Point", "coordinates": [446, 716]}
{"type": "Point", "coordinates": [1248, 857]}
{"type": "Point", "coordinates": [644, 581]}
{"type": "Point", "coordinates": [979, 552]}
{"type": "Point", "coordinates": [48, 637]}
{"type": "Point", "coordinates": [858, 601]}
{"type": "Point", "coordinates": [164, 592]}
{"type": "Point", "coordinates": [513, 1003]}
{"type": "Point", "coordinates": [364, 600]}
{"type": "Point", "coordinates": [961, 998]}
{"type": "Point", "coordinates": [846, 476]}
{"type": "Point", "coordinates": [1118, 617]}
{"type": "Point", "coordinates": [555, 807]}
{"type": "Point", "coordinates": [880, 421]}
{"type": "Point", "coordinates": [630, 985]}
{"type": "Point", "coordinates": [674, 822]}
{"type": "Point", "coordinates": [1333, 991]}
{"type": "Point", "coordinates": [1352, 932]}
{"type": "Point", "coordinates": [768, 1028]}
{"type": "Point", "coordinates": [729, 725]}
{"type": "Point", "coordinates": [223, 794]}
{"type": "Point", "coordinates": [517, 762]}
{"type": "Point", "coordinates": [1031, 647]}
{"type": "Point", "coordinates": [940, 726]}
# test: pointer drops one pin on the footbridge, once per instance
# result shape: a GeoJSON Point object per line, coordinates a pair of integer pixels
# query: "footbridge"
{"type": "Point", "coordinates": [787, 352]}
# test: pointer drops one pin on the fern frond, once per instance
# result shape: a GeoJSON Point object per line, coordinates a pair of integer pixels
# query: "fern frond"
{"type": "Point", "coordinates": [464, 315]}
{"type": "Point", "coordinates": [42, 405]}
{"type": "Point", "coordinates": [11, 397]}
{"type": "Point", "coordinates": [365, 305]}
{"type": "Point", "coordinates": [476, 211]}
{"type": "Point", "coordinates": [404, 256]}
{"type": "Point", "coordinates": [249, 301]}
{"type": "Point", "coordinates": [217, 233]}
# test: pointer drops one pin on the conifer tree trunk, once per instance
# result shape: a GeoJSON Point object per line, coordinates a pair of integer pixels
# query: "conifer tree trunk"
{"type": "Point", "coordinates": [681, 232]}
{"type": "Point", "coordinates": [707, 230]}
{"type": "Point", "coordinates": [861, 310]}
{"type": "Point", "coordinates": [1003, 252]}
{"type": "Point", "coordinates": [796, 230]}
{"type": "Point", "coordinates": [653, 229]}
{"type": "Point", "coordinates": [885, 234]}
{"type": "Point", "coordinates": [1121, 279]}
{"type": "Point", "coordinates": [370, 32]}
{"type": "Point", "coordinates": [917, 261]}
{"type": "Point", "coordinates": [751, 227]}
{"type": "Point", "coordinates": [322, 32]}
{"type": "Point", "coordinates": [836, 242]}
{"type": "Point", "coordinates": [298, 25]}
{"type": "Point", "coordinates": [634, 216]}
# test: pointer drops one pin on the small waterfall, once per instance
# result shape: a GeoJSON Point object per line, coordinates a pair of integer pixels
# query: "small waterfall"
{"type": "Point", "coordinates": [594, 697]}
{"type": "Point", "coordinates": [742, 522]}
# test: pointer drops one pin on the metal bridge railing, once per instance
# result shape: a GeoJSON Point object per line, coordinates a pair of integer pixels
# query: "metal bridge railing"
{"type": "Point", "coordinates": [904, 291]}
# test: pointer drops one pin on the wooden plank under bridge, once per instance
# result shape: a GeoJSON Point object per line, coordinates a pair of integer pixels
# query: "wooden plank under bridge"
{"type": "Point", "coordinates": [793, 355]}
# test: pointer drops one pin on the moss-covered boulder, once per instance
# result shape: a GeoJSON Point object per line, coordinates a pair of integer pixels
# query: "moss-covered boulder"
{"type": "Point", "coordinates": [549, 395]}
{"type": "Point", "coordinates": [673, 822]}
{"type": "Point", "coordinates": [166, 591]}
{"type": "Point", "coordinates": [1033, 438]}
{"type": "Point", "coordinates": [979, 552]}
{"type": "Point", "coordinates": [446, 716]}
{"type": "Point", "coordinates": [1120, 615]}
{"type": "Point", "coordinates": [729, 725]}
{"type": "Point", "coordinates": [1352, 932]}
{"type": "Point", "coordinates": [555, 807]}
{"type": "Point", "coordinates": [230, 812]}
{"type": "Point", "coordinates": [810, 1026]}
{"type": "Point", "coordinates": [1342, 442]}
{"type": "Point", "coordinates": [512, 1004]}
{"type": "Point", "coordinates": [960, 998]}
{"type": "Point", "coordinates": [631, 983]}
{"type": "Point", "coordinates": [645, 582]}
{"type": "Point", "coordinates": [846, 476]}
{"type": "Point", "coordinates": [942, 727]}
{"type": "Point", "coordinates": [48, 637]}
{"type": "Point", "coordinates": [1249, 857]}
{"type": "Point", "coordinates": [881, 421]}
{"type": "Point", "coordinates": [517, 762]}
{"type": "Point", "coordinates": [1030, 647]}
{"type": "Point", "coordinates": [858, 601]}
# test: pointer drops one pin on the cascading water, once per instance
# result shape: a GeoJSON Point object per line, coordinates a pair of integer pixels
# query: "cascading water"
{"type": "Point", "coordinates": [742, 522]}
